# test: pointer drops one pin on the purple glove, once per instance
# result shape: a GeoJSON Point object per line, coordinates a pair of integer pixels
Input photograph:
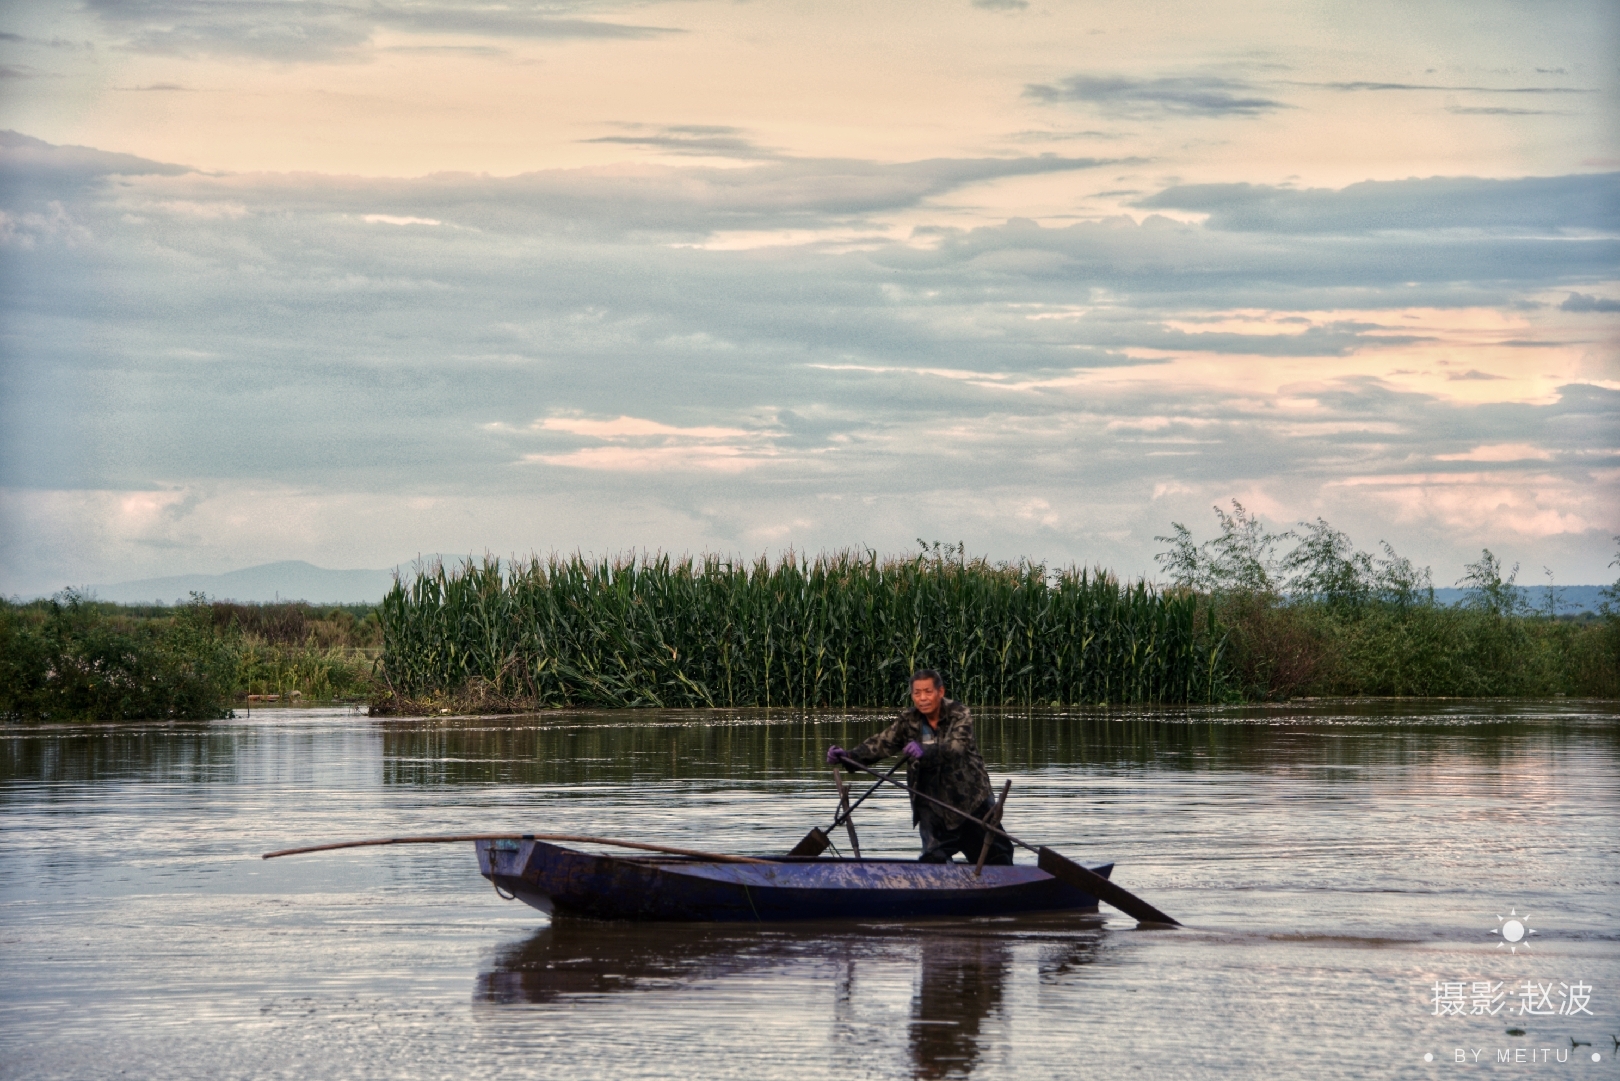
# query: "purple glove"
{"type": "Point", "coordinates": [836, 754]}
{"type": "Point", "coordinates": [915, 749]}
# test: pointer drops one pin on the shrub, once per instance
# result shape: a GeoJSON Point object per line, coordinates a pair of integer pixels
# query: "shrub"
{"type": "Point", "coordinates": [68, 659]}
{"type": "Point", "coordinates": [1326, 618]}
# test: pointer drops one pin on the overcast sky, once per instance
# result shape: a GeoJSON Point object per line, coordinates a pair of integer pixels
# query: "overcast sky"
{"type": "Point", "coordinates": [349, 281]}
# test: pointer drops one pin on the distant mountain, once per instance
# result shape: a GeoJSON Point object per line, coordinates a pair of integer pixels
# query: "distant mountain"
{"type": "Point", "coordinates": [1575, 598]}
{"type": "Point", "coordinates": [289, 580]}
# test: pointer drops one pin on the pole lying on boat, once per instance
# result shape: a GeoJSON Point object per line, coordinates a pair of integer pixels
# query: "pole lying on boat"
{"type": "Point", "coordinates": [570, 837]}
{"type": "Point", "coordinates": [1053, 863]}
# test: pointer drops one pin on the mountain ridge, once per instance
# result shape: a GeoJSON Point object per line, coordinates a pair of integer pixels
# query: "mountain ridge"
{"type": "Point", "coordinates": [285, 580]}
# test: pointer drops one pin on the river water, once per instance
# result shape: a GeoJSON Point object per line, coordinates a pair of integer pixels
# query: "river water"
{"type": "Point", "coordinates": [1337, 866]}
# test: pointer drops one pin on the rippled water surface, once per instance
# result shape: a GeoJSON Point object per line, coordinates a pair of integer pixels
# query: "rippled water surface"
{"type": "Point", "coordinates": [1333, 864]}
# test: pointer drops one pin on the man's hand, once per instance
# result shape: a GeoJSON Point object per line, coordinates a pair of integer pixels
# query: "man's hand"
{"type": "Point", "coordinates": [915, 750]}
{"type": "Point", "coordinates": [836, 754]}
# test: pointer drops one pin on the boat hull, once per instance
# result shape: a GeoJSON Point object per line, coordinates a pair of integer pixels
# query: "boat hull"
{"type": "Point", "coordinates": [556, 879]}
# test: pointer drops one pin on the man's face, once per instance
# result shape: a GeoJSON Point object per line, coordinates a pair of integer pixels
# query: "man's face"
{"type": "Point", "coordinates": [926, 696]}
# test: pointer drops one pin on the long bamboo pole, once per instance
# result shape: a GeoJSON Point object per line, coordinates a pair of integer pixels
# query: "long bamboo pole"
{"type": "Point", "coordinates": [570, 837]}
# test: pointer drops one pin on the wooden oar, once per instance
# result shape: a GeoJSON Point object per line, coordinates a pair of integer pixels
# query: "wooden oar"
{"type": "Point", "coordinates": [574, 838]}
{"type": "Point", "coordinates": [848, 814]}
{"type": "Point", "coordinates": [815, 842]}
{"type": "Point", "coordinates": [995, 820]}
{"type": "Point", "coordinates": [1053, 863]}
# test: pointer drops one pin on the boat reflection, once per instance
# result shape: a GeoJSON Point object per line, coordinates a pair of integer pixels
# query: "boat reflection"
{"type": "Point", "coordinates": [961, 969]}
{"type": "Point", "coordinates": [590, 957]}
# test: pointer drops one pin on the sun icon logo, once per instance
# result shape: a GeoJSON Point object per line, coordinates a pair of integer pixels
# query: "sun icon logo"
{"type": "Point", "coordinates": [1515, 931]}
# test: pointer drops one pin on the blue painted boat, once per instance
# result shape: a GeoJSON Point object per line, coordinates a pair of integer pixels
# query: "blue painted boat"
{"type": "Point", "coordinates": [556, 879]}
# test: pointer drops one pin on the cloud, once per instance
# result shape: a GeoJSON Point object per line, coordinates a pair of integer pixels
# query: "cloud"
{"type": "Point", "coordinates": [32, 170]}
{"type": "Point", "coordinates": [690, 140]}
{"type": "Point", "coordinates": [1002, 5]}
{"type": "Point", "coordinates": [1581, 202]}
{"type": "Point", "coordinates": [1029, 385]}
{"type": "Point", "coordinates": [1360, 87]}
{"type": "Point", "coordinates": [501, 20]}
{"type": "Point", "coordinates": [159, 87]}
{"type": "Point", "coordinates": [671, 202]}
{"type": "Point", "coordinates": [24, 71]}
{"type": "Point", "coordinates": [1486, 110]}
{"type": "Point", "coordinates": [1500, 452]}
{"type": "Point", "coordinates": [624, 427]}
{"type": "Point", "coordinates": [637, 445]}
{"type": "Point", "coordinates": [52, 43]}
{"type": "Point", "coordinates": [1580, 302]}
{"type": "Point", "coordinates": [394, 219]}
{"type": "Point", "coordinates": [323, 30]}
{"type": "Point", "coordinates": [1192, 95]}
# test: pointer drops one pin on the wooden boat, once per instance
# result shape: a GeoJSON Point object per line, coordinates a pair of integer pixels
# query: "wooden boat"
{"type": "Point", "coordinates": [556, 879]}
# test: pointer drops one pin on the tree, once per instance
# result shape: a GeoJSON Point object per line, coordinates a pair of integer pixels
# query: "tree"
{"type": "Point", "coordinates": [1397, 581]}
{"type": "Point", "coordinates": [1184, 563]}
{"type": "Point", "coordinates": [1610, 606]}
{"type": "Point", "coordinates": [1243, 559]}
{"type": "Point", "coordinates": [1325, 566]}
{"type": "Point", "coordinates": [1488, 590]}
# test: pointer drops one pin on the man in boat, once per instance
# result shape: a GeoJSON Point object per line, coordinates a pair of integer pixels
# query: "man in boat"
{"type": "Point", "coordinates": [936, 734]}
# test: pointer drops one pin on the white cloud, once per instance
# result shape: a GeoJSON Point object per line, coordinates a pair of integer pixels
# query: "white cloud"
{"type": "Point", "coordinates": [706, 458]}
{"type": "Point", "coordinates": [1500, 452]}
{"type": "Point", "coordinates": [626, 427]}
{"type": "Point", "coordinates": [398, 219]}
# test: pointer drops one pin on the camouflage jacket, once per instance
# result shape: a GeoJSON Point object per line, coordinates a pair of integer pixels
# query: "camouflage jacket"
{"type": "Point", "coordinates": [951, 770]}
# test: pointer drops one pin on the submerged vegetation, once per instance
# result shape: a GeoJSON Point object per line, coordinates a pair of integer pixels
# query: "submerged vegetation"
{"type": "Point", "coordinates": [839, 630]}
{"type": "Point", "coordinates": [1249, 615]}
{"type": "Point", "coordinates": [72, 658]}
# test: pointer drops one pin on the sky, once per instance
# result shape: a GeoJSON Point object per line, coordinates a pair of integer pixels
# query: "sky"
{"type": "Point", "coordinates": [352, 282]}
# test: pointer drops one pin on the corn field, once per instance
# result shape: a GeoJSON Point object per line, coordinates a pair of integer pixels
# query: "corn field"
{"type": "Point", "coordinates": [842, 630]}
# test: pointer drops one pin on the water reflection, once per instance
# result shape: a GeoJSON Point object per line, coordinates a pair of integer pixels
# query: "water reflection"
{"type": "Point", "coordinates": [959, 986]}
{"type": "Point", "coordinates": [589, 957]}
{"type": "Point", "coordinates": [597, 747]}
{"type": "Point", "coordinates": [660, 745]}
{"type": "Point", "coordinates": [959, 970]}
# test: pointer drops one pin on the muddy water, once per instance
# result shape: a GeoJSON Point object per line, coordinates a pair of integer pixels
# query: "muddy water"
{"type": "Point", "coordinates": [1337, 866]}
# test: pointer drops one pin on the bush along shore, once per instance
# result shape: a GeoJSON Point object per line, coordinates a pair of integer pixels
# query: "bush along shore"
{"type": "Point", "coordinates": [1305, 613]}
{"type": "Point", "coordinates": [841, 630]}
{"type": "Point", "coordinates": [1249, 615]}
{"type": "Point", "coordinates": [72, 658]}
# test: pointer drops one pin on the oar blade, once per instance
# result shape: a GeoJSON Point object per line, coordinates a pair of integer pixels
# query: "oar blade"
{"type": "Point", "coordinates": [1064, 869]}
{"type": "Point", "coordinates": [814, 844]}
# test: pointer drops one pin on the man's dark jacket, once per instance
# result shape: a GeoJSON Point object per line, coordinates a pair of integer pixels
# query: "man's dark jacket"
{"type": "Point", "coordinates": [951, 770]}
